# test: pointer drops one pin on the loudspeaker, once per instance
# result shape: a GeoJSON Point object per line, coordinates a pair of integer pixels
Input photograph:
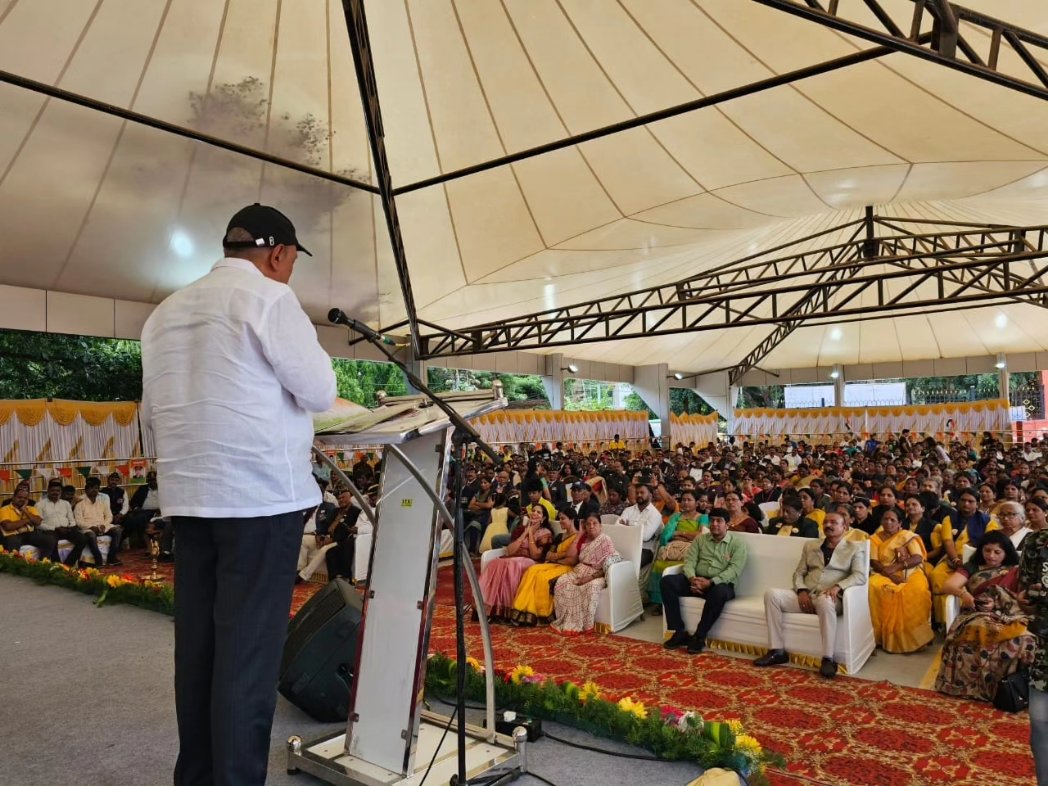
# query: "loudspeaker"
{"type": "Point", "coordinates": [317, 668]}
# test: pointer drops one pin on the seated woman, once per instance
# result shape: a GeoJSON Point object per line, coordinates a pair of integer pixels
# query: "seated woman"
{"type": "Point", "coordinates": [576, 594]}
{"type": "Point", "coordinates": [683, 527]}
{"type": "Point", "coordinates": [791, 522]}
{"type": "Point", "coordinates": [864, 519]}
{"type": "Point", "coordinates": [917, 522]}
{"type": "Point", "coordinates": [988, 640]}
{"type": "Point", "coordinates": [533, 603]}
{"type": "Point", "coordinates": [1013, 523]}
{"type": "Point", "coordinates": [900, 599]}
{"type": "Point", "coordinates": [740, 520]}
{"type": "Point", "coordinates": [808, 507]}
{"type": "Point", "coordinates": [501, 577]}
{"type": "Point", "coordinates": [958, 530]}
{"type": "Point", "coordinates": [1036, 514]}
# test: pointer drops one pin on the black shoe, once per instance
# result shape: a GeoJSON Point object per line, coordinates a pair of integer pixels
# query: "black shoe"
{"type": "Point", "coordinates": [678, 639]}
{"type": "Point", "coordinates": [772, 658]}
{"type": "Point", "coordinates": [828, 669]}
{"type": "Point", "coordinates": [696, 644]}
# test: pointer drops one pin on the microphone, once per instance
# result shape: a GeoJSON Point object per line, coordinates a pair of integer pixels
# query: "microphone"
{"type": "Point", "coordinates": [337, 316]}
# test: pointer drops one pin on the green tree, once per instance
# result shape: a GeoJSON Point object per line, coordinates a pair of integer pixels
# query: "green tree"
{"type": "Point", "coordinates": [48, 365]}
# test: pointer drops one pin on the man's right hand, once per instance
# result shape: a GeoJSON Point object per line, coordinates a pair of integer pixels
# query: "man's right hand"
{"type": "Point", "coordinates": [699, 584]}
{"type": "Point", "coordinates": [804, 599]}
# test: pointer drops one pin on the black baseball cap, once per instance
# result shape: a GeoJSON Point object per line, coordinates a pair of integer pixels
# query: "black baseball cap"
{"type": "Point", "coordinates": [267, 225]}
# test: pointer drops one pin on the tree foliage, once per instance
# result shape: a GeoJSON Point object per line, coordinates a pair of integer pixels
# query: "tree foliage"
{"type": "Point", "coordinates": [515, 387]}
{"type": "Point", "coordinates": [48, 365]}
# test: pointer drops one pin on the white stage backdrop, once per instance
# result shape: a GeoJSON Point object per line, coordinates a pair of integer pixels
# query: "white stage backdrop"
{"type": "Point", "coordinates": [933, 419]}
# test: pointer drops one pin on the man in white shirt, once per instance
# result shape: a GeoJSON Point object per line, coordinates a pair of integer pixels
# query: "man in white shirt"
{"type": "Point", "coordinates": [94, 517]}
{"type": "Point", "coordinates": [57, 518]}
{"type": "Point", "coordinates": [644, 514]}
{"type": "Point", "coordinates": [231, 370]}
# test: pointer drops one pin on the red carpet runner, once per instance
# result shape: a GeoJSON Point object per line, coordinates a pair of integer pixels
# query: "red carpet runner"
{"type": "Point", "coordinates": [849, 732]}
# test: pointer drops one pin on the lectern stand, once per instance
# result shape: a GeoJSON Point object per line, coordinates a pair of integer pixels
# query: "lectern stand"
{"type": "Point", "coordinates": [389, 739]}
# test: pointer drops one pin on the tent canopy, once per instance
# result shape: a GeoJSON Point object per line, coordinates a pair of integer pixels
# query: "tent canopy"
{"type": "Point", "coordinates": [98, 205]}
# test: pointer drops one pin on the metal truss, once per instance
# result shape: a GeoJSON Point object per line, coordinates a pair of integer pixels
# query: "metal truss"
{"type": "Point", "coordinates": [359, 43]}
{"type": "Point", "coordinates": [868, 274]}
{"type": "Point", "coordinates": [962, 39]}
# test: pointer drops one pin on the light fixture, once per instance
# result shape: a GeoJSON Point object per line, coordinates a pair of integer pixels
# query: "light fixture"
{"type": "Point", "coordinates": [1001, 321]}
{"type": "Point", "coordinates": [1002, 361]}
{"type": "Point", "coordinates": [678, 375]}
{"type": "Point", "coordinates": [836, 373]}
{"type": "Point", "coordinates": [836, 334]}
{"type": "Point", "coordinates": [570, 367]}
{"type": "Point", "coordinates": [181, 243]}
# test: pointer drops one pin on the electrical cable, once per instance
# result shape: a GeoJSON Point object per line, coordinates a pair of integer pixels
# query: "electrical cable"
{"type": "Point", "coordinates": [447, 728]}
{"type": "Point", "coordinates": [605, 751]}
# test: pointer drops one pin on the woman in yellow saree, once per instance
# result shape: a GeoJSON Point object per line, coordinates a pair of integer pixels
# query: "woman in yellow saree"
{"type": "Point", "coordinates": [900, 598]}
{"type": "Point", "coordinates": [533, 603]}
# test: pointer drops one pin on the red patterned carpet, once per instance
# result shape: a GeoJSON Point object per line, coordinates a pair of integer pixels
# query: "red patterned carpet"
{"type": "Point", "coordinates": [849, 732]}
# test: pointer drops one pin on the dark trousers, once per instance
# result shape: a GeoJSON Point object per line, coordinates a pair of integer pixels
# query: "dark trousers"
{"type": "Point", "coordinates": [82, 539]}
{"type": "Point", "coordinates": [676, 586]}
{"type": "Point", "coordinates": [339, 560]}
{"type": "Point", "coordinates": [234, 580]}
{"type": "Point", "coordinates": [135, 523]}
{"type": "Point", "coordinates": [42, 539]}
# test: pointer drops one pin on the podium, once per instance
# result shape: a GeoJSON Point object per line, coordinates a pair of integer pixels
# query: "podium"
{"type": "Point", "coordinates": [390, 740]}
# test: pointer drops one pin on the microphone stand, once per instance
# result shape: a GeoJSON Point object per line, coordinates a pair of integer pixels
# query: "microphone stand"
{"type": "Point", "coordinates": [462, 434]}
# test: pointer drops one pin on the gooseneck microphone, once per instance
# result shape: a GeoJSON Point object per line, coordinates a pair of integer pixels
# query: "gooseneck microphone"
{"type": "Point", "coordinates": [337, 316]}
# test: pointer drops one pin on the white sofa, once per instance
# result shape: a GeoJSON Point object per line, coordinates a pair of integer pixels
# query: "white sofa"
{"type": "Point", "coordinates": [743, 627]}
{"type": "Point", "coordinates": [620, 602]}
{"type": "Point", "coordinates": [65, 546]}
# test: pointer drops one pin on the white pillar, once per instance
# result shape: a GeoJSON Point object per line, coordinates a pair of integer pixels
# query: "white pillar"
{"type": "Point", "coordinates": [652, 385]}
{"type": "Point", "coordinates": [553, 381]}
{"type": "Point", "coordinates": [838, 387]}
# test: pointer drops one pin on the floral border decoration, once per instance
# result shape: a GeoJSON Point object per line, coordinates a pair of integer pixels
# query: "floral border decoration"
{"type": "Point", "coordinates": [668, 732]}
{"type": "Point", "coordinates": [110, 588]}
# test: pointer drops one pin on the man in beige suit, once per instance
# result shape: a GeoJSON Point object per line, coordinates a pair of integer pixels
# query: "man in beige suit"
{"type": "Point", "coordinates": [827, 568]}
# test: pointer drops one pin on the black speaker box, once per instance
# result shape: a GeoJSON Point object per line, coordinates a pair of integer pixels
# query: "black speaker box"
{"type": "Point", "coordinates": [317, 668]}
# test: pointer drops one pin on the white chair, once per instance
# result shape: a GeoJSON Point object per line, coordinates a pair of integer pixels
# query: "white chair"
{"type": "Point", "coordinates": [65, 546]}
{"type": "Point", "coordinates": [620, 602]}
{"type": "Point", "coordinates": [609, 519]}
{"type": "Point", "coordinates": [953, 603]}
{"type": "Point", "coordinates": [769, 509]}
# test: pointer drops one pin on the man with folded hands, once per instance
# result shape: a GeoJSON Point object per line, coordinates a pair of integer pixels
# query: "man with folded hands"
{"type": "Point", "coordinates": [711, 567]}
{"type": "Point", "coordinates": [827, 567]}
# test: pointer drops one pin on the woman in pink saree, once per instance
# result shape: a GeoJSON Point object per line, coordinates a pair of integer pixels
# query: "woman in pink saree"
{"type": "Point", "coordinates": [576, 594]}
{"type": "Point", "coordinates": [501, 577]}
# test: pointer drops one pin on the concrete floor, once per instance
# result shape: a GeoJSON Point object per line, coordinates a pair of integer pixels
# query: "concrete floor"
{"type": "Point", "coordinates": [916, 670]}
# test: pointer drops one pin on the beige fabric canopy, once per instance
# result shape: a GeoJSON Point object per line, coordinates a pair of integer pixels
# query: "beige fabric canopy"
{"type": "Point", "coordinates": [96, 205]}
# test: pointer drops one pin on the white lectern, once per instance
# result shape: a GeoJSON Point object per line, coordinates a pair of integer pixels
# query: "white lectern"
{"type": "Point", "coordinates": [389, 739]}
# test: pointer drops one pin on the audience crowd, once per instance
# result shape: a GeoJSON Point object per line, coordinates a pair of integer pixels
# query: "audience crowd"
{"type": "Point", "coordinates": [941, 520]}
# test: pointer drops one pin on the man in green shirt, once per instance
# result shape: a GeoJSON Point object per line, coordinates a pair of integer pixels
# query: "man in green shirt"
{"type": "Point", "coordinates": [710, 570]}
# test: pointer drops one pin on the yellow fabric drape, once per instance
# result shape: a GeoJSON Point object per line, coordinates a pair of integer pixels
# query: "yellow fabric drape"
{"type": "Point", "coordinates": [32, 411]}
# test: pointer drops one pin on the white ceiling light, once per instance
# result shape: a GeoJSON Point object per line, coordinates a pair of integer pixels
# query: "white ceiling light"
{"type": "Point", "coordinates": [181, 243]}
{"type": "Point", "coordinates": [1001, 321]}
{"type": "Point", "coordinates": [1002, 361]}
{"type": "Point", "coordinates": [836, 334]}
{"type": "Point", "coordinates": [571, 367]}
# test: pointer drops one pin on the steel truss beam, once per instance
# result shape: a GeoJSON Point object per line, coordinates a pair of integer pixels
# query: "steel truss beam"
{"type": "Point", "coordinates": [967, 264]}
{"type": "Point", "coordinates": [359, 43]}
{"type": "Point", "coordinates": [1017, 67]}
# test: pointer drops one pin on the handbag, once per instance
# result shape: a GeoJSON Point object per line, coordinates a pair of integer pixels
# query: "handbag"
{"type": "Point", "coordinates": [1013, 692]}
{"type": "Point", "coordinates": [674, 551]}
